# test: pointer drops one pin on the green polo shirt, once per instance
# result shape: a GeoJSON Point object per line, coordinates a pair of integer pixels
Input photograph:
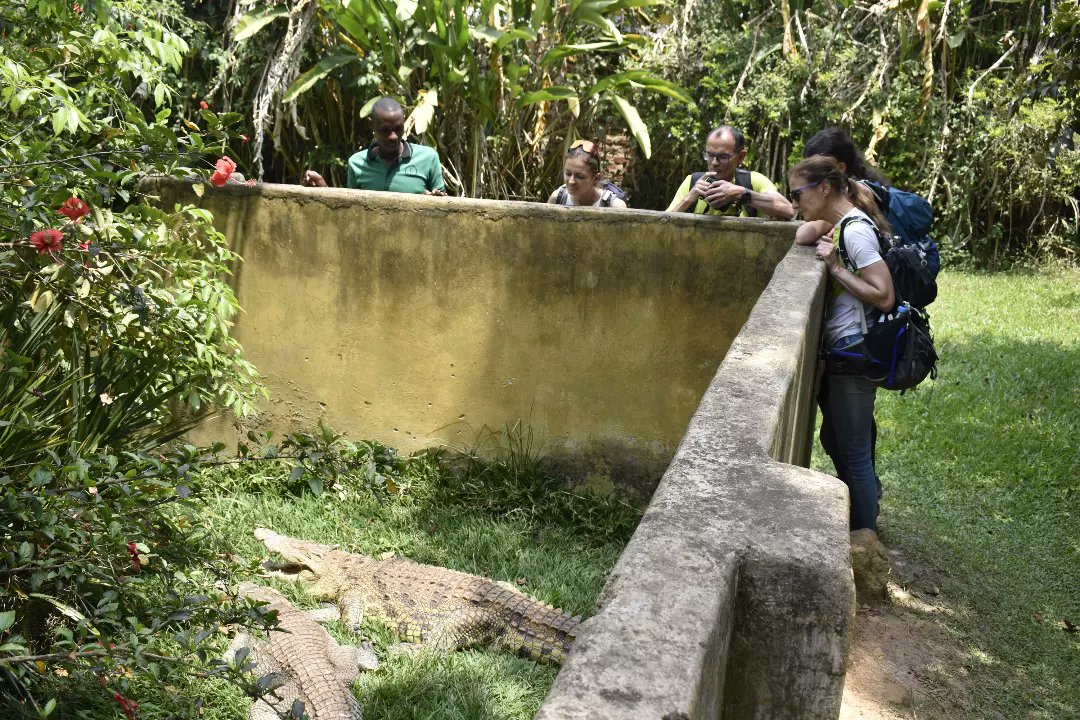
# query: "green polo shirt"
{"type": "Point", "coordinates": [758, 183]}
{"type": "Point", "coordinates": [416, 171]}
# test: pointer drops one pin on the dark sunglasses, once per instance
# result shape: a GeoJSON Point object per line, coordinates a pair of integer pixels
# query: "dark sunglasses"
{"type": "Point", "coordinates": [799, 190]}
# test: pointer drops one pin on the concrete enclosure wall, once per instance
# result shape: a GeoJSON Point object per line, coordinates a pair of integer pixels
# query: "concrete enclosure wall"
{"type": "Point", "coordinates": [417, 320]}
{"type": "Point", "coordinates": [734, 597]}
{"type": "Point", "coordinates": [404, 318]}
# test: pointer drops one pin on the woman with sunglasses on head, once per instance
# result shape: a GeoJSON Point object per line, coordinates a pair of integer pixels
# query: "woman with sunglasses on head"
{"type": "Point", "coordinates": [583, 184]}
{"type": "Point", "coordinates": [822, 193]}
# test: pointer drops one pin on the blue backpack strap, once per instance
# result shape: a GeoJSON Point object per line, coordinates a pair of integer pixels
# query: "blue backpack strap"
{"type": "Point", "coordinates": [561, 196]}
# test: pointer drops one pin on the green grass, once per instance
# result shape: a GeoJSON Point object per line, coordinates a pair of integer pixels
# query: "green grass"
{"type": "Point", "coordinates": [483, 518]}
{"type": "Point", "coordinates": [981, 471]}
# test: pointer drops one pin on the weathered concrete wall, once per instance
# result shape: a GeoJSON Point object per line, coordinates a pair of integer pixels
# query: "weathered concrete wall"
{"type": "Point", "coordinates": [416, 320]}
{"type": "Point", "coordinates": [734, 596]}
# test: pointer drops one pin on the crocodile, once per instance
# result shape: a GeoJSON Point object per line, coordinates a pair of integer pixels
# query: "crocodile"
{"type": "Point", "coordinates": [437, 608]}
{"type": "Point", "coordinates": [300, 663]}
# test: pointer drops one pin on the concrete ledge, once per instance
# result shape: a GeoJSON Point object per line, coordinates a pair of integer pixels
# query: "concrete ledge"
{"type": "Point", "coordinates": [733, 598]}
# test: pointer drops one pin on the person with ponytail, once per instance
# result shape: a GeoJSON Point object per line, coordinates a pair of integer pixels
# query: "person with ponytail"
{"type": "Point", "coordinates": [823, 194]}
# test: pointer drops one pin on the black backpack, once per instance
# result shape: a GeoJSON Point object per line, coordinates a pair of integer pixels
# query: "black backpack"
{"type": "Point", "coordinates": [897, 351]}
{"type": "Point", "coordinates": [742, 177]}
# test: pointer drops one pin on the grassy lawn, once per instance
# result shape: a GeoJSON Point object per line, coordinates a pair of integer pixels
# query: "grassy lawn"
{"type": "Point", "coordinates": [981, 472]}
{"type": "Point", "coordinates": [506, 520]}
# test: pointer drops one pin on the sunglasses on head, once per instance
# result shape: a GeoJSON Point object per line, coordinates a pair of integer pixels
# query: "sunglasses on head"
{"type": "Point", "coordinates": [799, 190]}
{"type": "Point", "coordinates": [587, 145]}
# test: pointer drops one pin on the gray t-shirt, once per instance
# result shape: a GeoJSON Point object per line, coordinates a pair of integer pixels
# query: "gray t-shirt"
{"type": "Point", "coordinates": [842, 317]}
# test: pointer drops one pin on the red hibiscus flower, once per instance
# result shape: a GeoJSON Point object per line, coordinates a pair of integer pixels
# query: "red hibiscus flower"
{"type": "Point", "coordinates": [47, 241]}
{"type": "Point", "coordinates": [203, 105]}
{"type": "Point", "coordinates": [74, 208]}
{"type": "Point", "coordinates": [223, 169]}
{"type": "Point", "coordinates": [133, 551]}
{"type": "Point", "coordinates": [76, 8]}
{"type": "Point", "coordinates": [127, 705]}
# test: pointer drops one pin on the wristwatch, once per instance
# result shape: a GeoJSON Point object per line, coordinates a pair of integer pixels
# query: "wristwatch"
{"type": "Point", "coordinates": [745, 199]}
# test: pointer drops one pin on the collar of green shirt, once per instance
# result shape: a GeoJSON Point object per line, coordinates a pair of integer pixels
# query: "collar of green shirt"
{"type": "Point", "coordinates": [373, 153]}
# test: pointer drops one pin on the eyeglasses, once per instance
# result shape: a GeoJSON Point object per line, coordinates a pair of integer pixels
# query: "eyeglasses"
{"type": "Point", "coordinates": [799, 190]}
{"type": "Point", "coordinates": [587, 145]}
{"type": "Point", "coordinates": [718, 157]}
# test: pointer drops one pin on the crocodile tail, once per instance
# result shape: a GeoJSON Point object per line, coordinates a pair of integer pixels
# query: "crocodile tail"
{"type": "Point", "coordinates": [532, 629]}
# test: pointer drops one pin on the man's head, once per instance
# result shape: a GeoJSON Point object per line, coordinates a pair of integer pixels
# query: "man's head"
{"type": "Point", "coordinates": [388, 124]}
{"type": "Point", "coordinates": [725, 149]}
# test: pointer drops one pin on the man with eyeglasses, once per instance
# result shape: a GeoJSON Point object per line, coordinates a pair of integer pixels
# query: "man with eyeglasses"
{"type": "Point", "coordinates": [726, 188]}
{"type": "Point", "coordinates": [390, 163]}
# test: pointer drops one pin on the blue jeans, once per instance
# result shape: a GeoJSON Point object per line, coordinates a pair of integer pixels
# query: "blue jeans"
{"type": "Point", "coordinates": [847, 424]}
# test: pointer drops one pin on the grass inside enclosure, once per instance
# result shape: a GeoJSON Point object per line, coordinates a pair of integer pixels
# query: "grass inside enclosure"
{"type": "Point", "coordinates": [504, 519]}
{"type": "Point", "coordinates": [981, 473]}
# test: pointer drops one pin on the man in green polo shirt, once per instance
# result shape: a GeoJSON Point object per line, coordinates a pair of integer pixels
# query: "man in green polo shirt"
{"type": "Point", "coordinates": [727, 189]}
{"type": "Point", "coordinates": [390, 163]}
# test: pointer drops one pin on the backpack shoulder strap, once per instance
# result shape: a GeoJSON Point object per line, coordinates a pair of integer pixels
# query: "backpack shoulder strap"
{"type": "Point", "coordinates": [844, 257]}
{"type": "Point", "coordinates": [561, 197]}
{"type": "Point", "coordinates": [841, 246]}
{"type": "Point", "coordinates": [742, 177]}
{"type": "Point", "coordinates": [606, 197]}
{"type": "Point", "coordinates": [847, 261]}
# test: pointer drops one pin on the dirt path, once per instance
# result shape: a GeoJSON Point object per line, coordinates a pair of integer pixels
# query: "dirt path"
{"type": "Point", "coordinates": [903, 664]}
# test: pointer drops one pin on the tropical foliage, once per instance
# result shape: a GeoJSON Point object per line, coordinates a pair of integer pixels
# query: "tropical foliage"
{"type": "Point", "coordinates": [513, 82]}
{"type": "Point", "coordinates": [114, 320]}
{"type": "Point", "coordinates": [965, 102]}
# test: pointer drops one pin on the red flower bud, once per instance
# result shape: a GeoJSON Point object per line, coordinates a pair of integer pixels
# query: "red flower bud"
{"type": "Point", "coordinates": [127, 705]}
{"type": "Point", "coordinates": [203, 105]}
{"type": "Point", "coordinates": [76, 8]}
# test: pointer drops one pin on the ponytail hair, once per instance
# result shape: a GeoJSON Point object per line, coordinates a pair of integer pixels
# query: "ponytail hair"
{"type": "Point", "coordinates": [865, 199]}
{"type": "Point", "coordinates": [826, 169]}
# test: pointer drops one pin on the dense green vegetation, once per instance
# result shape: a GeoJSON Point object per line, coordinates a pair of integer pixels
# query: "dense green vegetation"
{"type": "Point", "coordinates": [979, 472]}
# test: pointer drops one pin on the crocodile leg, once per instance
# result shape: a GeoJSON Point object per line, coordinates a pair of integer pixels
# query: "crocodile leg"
{"type": "Point", "coordinates": [349, 660]}
{"type": "Point", "coordinates": [352, 610]}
